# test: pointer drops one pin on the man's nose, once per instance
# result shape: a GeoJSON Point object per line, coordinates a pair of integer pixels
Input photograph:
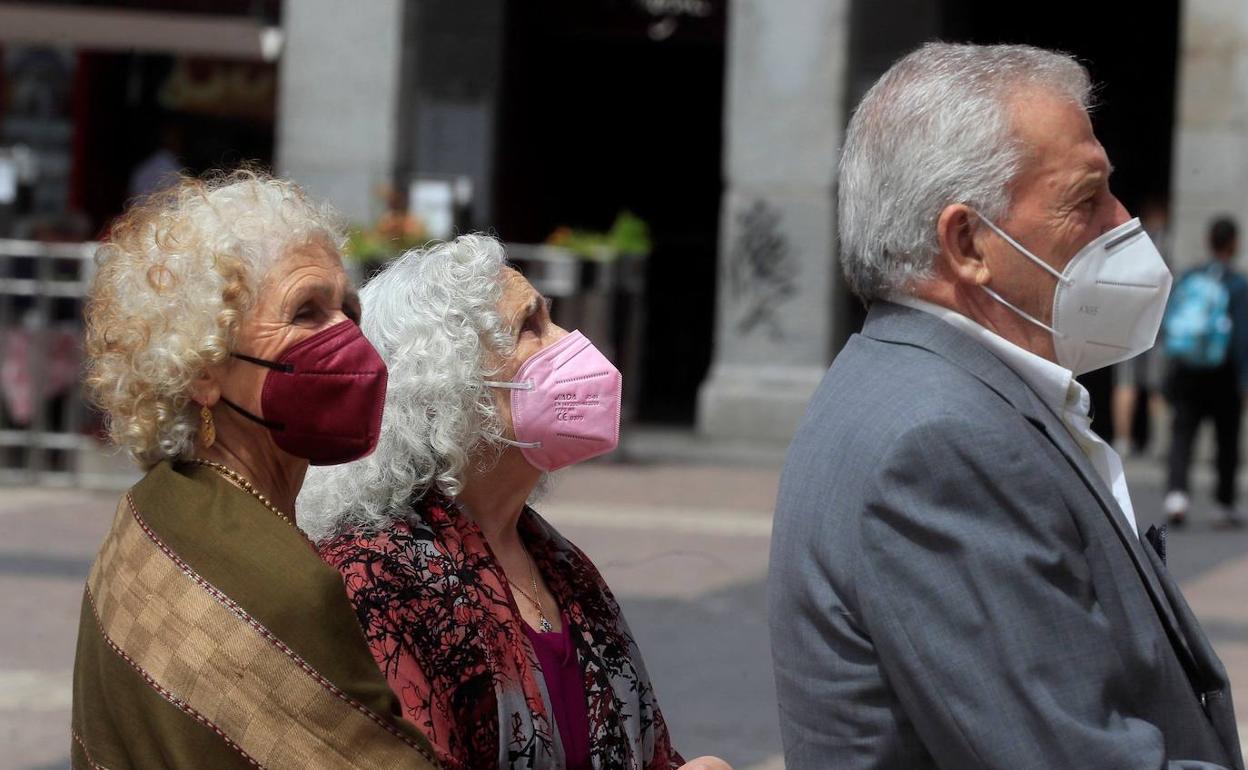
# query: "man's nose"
{"type": "Point", "coordinates": [1118, 215]}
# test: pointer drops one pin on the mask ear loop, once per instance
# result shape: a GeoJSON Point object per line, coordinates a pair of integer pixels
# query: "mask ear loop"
{"type": "Point", "coordinates": [276, 366]}
{"type": "Point", "coordinates": [518, 444]}
{"type": "Point", "coordinates": [270, 424]}
{"type": "Point", "coordinates": [1025, 315]}
{"type": "Point", "coordinates": [526, 385]}
{"type": "Point", "coordinates": [1023, 250]}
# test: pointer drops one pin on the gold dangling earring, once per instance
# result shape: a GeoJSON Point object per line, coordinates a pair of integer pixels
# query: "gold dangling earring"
{"type": "Point", "coordinates": [207, 429]}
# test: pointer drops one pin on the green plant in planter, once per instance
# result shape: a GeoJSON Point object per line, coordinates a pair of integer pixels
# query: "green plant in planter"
{"type": "Point", "coordinates": [629, 236]}
{"type": "Point", "coordinates": [393, 233]}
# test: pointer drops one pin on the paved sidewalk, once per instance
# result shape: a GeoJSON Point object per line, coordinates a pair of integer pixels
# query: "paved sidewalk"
{"type": "Point", "coordinates": [685, 547]}
{"type": "Point", "coordinates": [1220, 599]}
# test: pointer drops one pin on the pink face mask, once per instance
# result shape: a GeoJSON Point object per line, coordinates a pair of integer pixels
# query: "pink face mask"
{"type": "Point", "coordinates": [565, 404]}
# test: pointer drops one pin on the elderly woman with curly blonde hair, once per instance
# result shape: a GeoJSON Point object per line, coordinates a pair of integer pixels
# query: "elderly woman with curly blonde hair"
{"type": "Point", "coordinates": [225, 352]}
{"type": "Point", "coordinates": [501, 638]}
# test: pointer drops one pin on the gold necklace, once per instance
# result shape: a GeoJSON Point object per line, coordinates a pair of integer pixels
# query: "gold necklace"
{"type": "Point", "coordinates": [242, 483]}
{"type": "Point", "coordinates": [543, 624]}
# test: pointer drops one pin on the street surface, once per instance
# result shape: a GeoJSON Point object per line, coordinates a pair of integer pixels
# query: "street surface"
{"type": "Point", "coordinates": [683, 546]}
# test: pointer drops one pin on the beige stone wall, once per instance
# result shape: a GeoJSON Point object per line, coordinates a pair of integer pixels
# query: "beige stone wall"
{"type": "Point", "coordinates": [1211, 124]}
{"type": "Point", "coordinates": [775, 309]}
{"type": "Point", "coordinates": [338, 100]}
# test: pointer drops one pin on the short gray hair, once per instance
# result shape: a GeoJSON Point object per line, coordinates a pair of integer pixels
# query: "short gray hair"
{"type": "Point", "coordinates": [433, 317]}
{"type": "Point", "coordinates": [933, 131]}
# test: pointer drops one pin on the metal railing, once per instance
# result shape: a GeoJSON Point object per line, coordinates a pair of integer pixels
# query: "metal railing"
{"type": "Point", "coordinates": [45, 426]}
{"type": "Point", "coordinates": [48, 434]}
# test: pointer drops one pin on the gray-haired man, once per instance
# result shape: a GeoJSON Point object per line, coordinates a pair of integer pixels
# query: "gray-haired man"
{"type": "Point", "coordinates": [957, 580]}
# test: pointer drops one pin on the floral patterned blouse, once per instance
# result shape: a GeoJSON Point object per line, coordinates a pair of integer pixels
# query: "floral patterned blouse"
{"type": "Point", "coordinates": [444, 628]}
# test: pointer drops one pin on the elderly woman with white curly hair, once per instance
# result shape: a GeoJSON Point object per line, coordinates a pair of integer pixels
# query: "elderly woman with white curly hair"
{"type": "Point", "coordinates": [224, 349]}
{"type": "Point", "coordinates": [502, 640]}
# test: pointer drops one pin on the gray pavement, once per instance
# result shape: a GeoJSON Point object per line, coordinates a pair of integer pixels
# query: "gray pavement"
{"type": "Point", "coordinates": [684, 547]}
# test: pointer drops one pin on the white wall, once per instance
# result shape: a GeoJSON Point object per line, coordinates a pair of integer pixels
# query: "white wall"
{"type": "Point", "coordinates": [1210, 174]}
{"type": "Point", "coordinates": [338, 100]}
{"type": "Point", "coordinates": [775, 309]}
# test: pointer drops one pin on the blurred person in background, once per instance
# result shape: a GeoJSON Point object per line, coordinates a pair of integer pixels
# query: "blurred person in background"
{"type": "Point", "coordinates": [1206, 339]}
{"type": "Point", "coordinates": [500, 636]}
{"type": "Point", "coordinates": [163, 165]}
{"type": "Point", "coordinates": [223, 347]}
{"type": "Point", "coordinates": [957, 579]}
{"type": "Point", "coordinates": [1137, 398]}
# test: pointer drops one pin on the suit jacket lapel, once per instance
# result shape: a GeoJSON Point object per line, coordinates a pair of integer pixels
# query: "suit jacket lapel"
{"type": "Point", "coordinates": [1060, 436]}
{"type": "Point", "coordinates": [895, 323]}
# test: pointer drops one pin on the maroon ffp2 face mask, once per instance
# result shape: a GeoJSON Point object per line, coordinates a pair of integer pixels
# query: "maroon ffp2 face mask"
{"type": "Point", "coordinates": [323, 398]}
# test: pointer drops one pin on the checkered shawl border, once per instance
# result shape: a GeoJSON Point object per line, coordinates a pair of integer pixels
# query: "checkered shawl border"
{"type": "Point", "coordinates": [208, 657]}
{"type": "Point", "coordinates": [86, 753]}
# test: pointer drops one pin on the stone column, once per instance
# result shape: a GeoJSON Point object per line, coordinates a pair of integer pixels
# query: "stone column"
{"type": "Point", "coordinates": [339, 100]}
{"type": "Point", "coordinates": [775, 313]}
{"type": "Point", "coordinates": [1210, 174]}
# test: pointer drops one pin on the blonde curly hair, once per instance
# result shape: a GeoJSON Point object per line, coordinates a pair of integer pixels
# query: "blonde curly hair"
{"type": "Point", "coordinates": [174, 279]}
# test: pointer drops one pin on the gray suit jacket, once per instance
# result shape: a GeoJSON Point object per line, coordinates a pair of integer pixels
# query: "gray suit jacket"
{"type": "Point", "coordinates": [953, 586]}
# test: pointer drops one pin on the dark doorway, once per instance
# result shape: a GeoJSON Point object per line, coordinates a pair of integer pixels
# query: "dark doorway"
{"type": "Point", "coordinates": [606, 107]}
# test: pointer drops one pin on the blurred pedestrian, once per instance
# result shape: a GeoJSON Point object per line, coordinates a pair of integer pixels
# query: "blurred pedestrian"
{"type": "Point", "coordinates": [223, 346]}
{"type": "Point", "coordinates": [1137, 395]}
{"type": "Point", "coordinates": [956, 577]}
{"type": "Point", "coordinates": [162, 166]}
{"type": "Point", "coordinates": [503, 639]}
{"type": "Point", "coordinates": [1206, 338]}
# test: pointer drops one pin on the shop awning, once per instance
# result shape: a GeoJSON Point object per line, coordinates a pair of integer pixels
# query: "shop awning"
{"type": "Point", "coordinates": [115, 29]}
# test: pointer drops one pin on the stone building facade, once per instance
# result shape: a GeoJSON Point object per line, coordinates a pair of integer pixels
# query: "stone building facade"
{"type": "Point", "coordinates": [361, 104]}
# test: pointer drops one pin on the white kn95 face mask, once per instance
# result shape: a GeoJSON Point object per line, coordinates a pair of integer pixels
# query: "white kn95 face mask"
{"type": "Point", "coordinates": [1109, 300]}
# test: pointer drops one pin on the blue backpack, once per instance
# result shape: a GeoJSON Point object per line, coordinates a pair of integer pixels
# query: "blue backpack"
{"type": "Point", "coordinates": [1197, 325]}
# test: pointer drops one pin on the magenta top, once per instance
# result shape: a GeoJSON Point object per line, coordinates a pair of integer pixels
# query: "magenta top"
{"type": "Point", "coordinates": [565, 684]}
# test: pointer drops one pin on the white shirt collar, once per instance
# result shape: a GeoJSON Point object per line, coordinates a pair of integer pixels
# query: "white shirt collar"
{"type": "Point", "coordinates": [1057, 387]}
{"type": "Point", "coordinates": [1051, 381]}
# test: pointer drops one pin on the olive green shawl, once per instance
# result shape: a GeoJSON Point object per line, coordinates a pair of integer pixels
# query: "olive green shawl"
{"type": "Point", "coordinates": [213, 636]}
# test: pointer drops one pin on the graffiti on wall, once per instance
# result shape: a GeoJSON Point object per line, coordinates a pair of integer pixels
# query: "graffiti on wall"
{"type": "Point", "coordinates": [762, 271]}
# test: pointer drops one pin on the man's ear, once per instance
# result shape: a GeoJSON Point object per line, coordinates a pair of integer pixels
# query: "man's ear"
{"type": "Point", "coordinates": [960, 256]}
{"type": "Point", "coordinates": [206, 388]}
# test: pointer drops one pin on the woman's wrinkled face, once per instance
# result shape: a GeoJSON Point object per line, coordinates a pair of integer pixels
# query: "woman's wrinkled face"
{"type": "Point", "coordinates": [305, 292]}
{"type": "Point", "coordinates": [526, 317]}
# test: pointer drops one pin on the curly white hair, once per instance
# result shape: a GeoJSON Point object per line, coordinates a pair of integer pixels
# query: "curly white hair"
{"type": "Point", "coordinates": [176, 275]}
{"type": "Point", "coordinates": [433, 316]}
